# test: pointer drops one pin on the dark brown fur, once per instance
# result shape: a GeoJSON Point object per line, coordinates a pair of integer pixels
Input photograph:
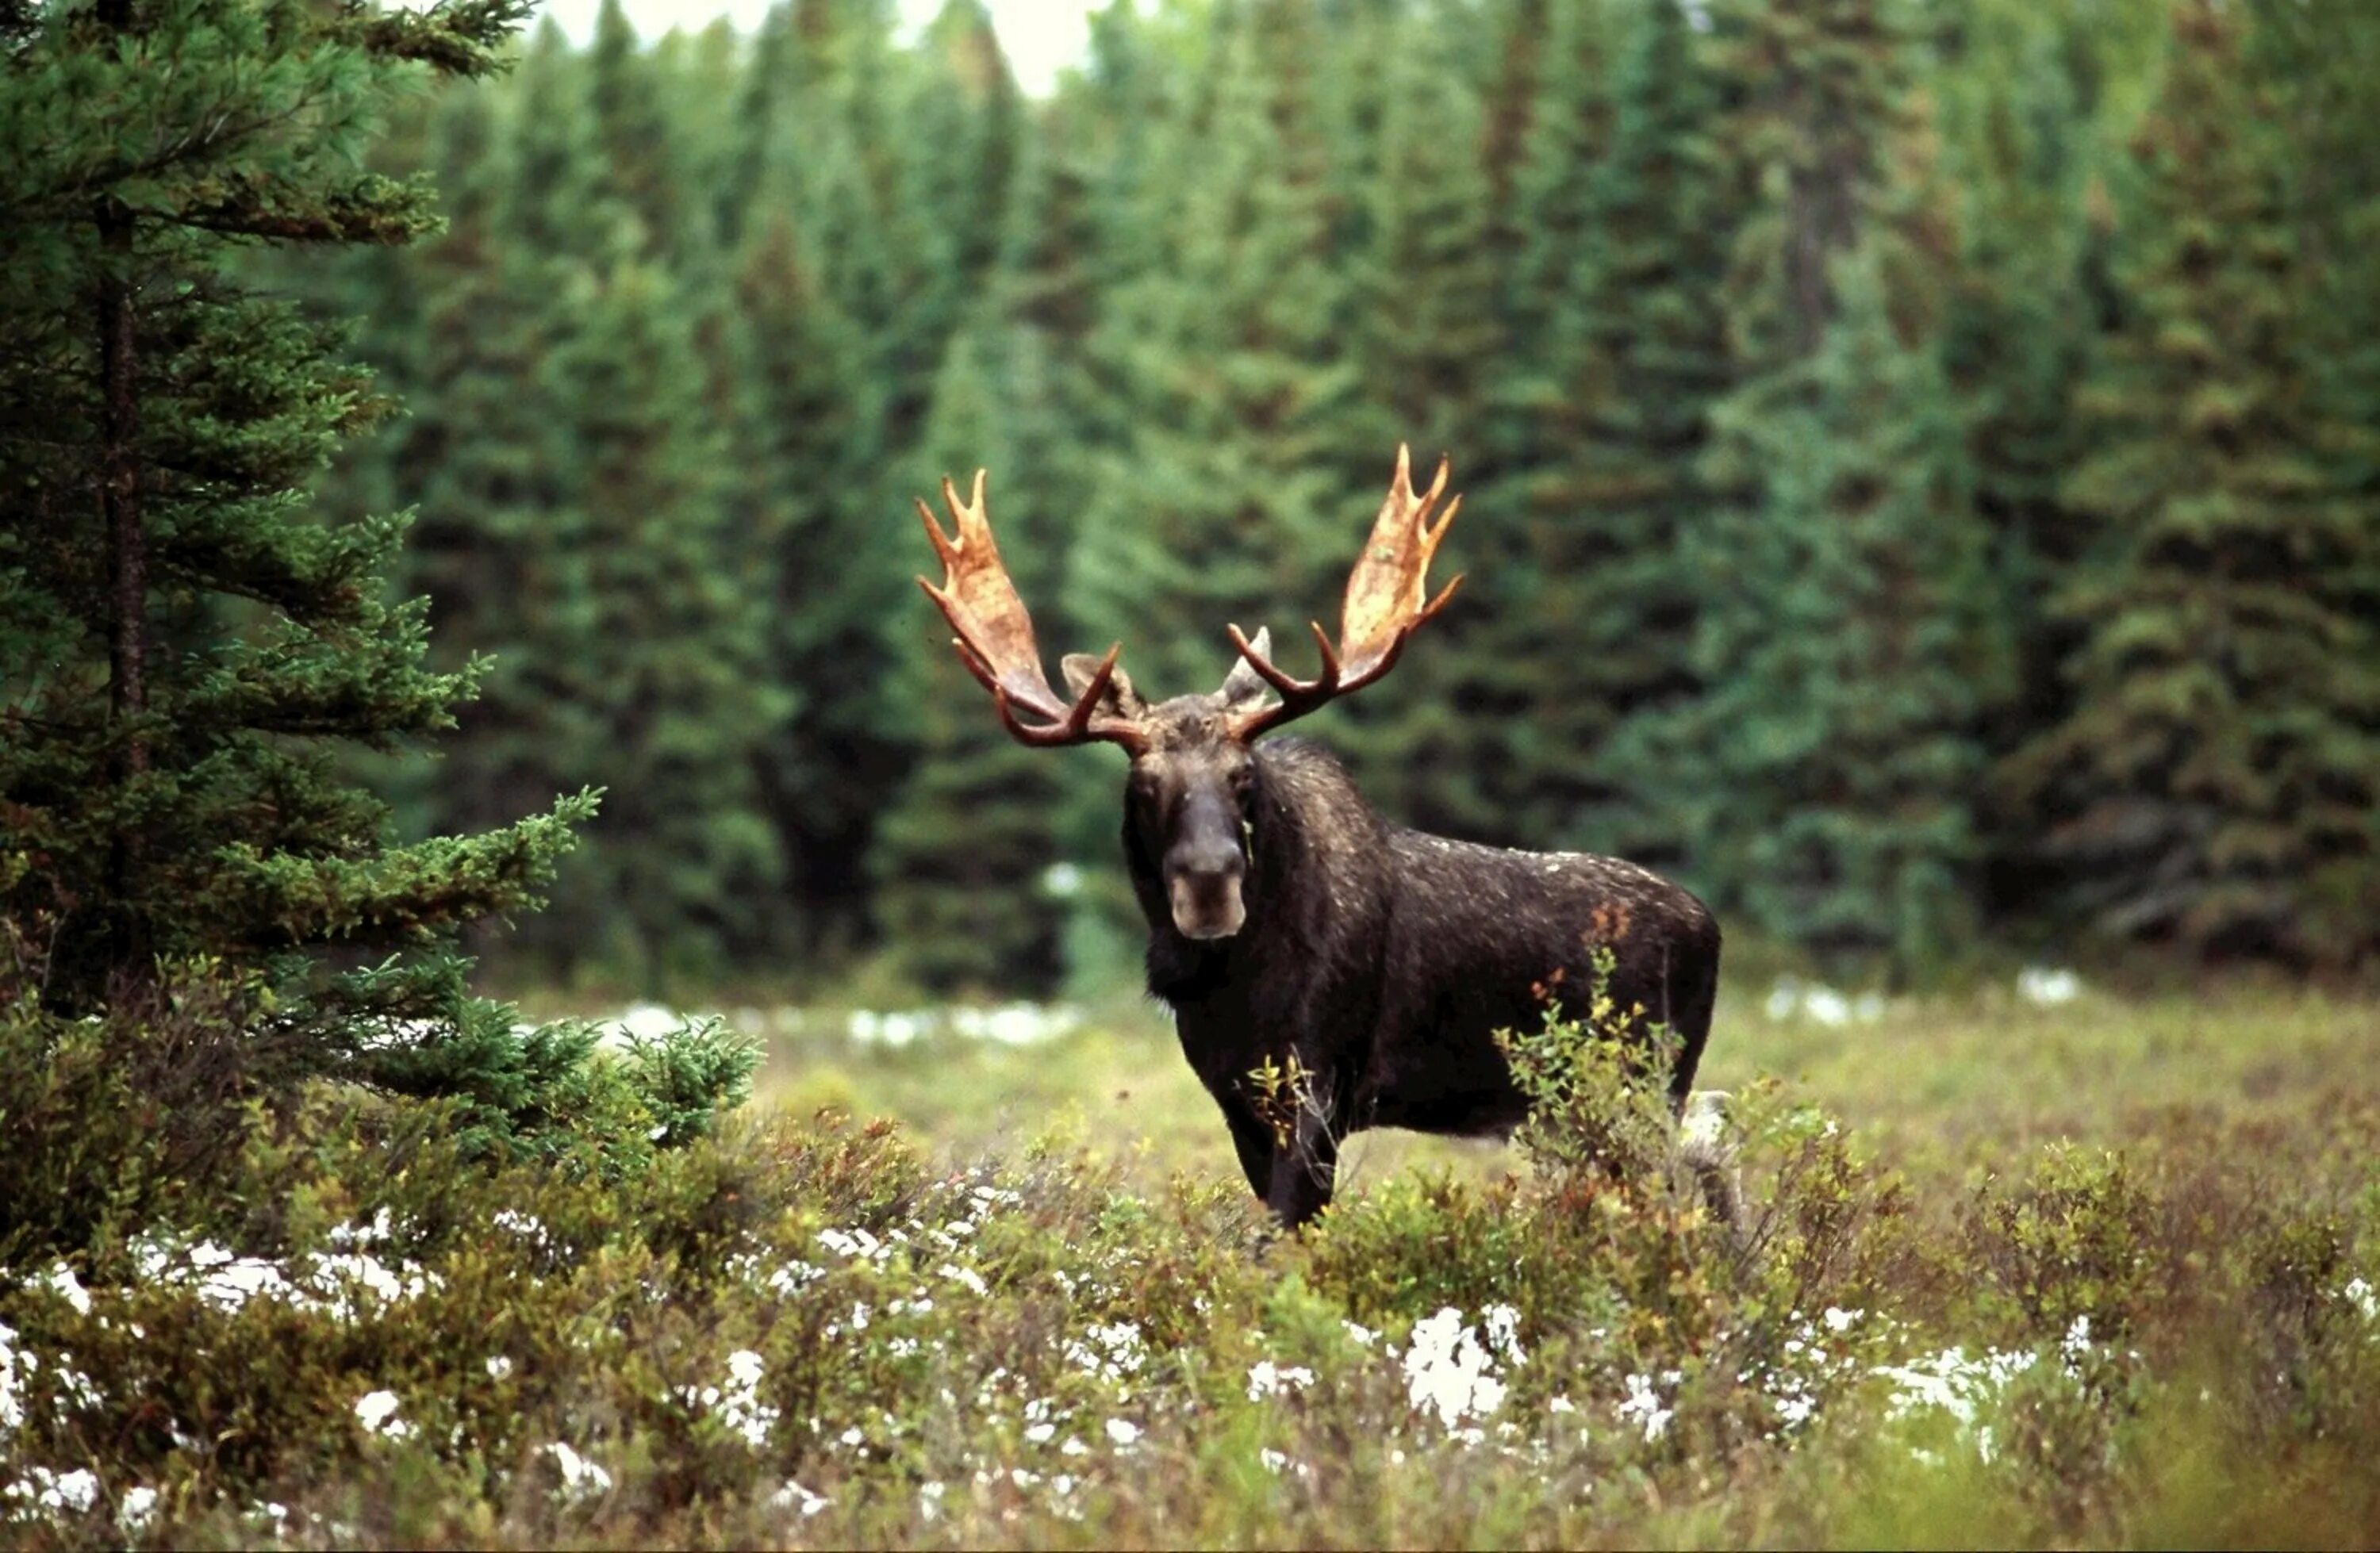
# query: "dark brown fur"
{"type": "Point", "coordinates": [1381, 959]}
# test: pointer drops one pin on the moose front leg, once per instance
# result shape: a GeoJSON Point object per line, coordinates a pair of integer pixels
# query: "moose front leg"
{"type": "Point", "coordinates": [1305, 1171]}
{"type": "Point", "coordinates": [1254, 1141]}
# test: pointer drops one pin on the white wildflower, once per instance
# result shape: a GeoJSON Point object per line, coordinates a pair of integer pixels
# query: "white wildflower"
{"type": "Point", "coordinates": [60, 1280]}
{"type": "Point", "coordinates": [41, 1489]}
{"type": "Point", "coordinates": [1112, 1352]}
{"type": "Point", "coordinates": [1122, 1431]}
{"type": "Point", "coordinates": [1826, 1006]}
{"type": "Point", "coordinates": [527, 1226]}
{"type": "Point", "coordinates": [1643, 1408]}
{"type": "Point", "coordinates": [793, 1277]}
{"type": "Point", "coordinates": [348, 1237]}
{"type": "Point", "coordinates": [581, 1478]}
{"type": "Point", "coordinates": [856, 1242]}
{"type": "Point", "coordinates": [231, 1282]}
{"type": "Point", "coordinates": [1503, 1325]}
{"type": "Point", "coordinates": [377, 1411]}
{"type": "Point", "coordinates": [1267, 1379]}
{"type": "Point", "coordinates": [2046, 987]}
{"type": "Point", "coordinates": [739, 1405]}
{"type": "Point", "coordinates": [1447, 1372]}
{"type": "Point", "coordinates": [640, 1022]}
{"type": "Point", "coordinates": [137, 1510]}
{"type": "Point", "coordinates": [12, 1405]}
{"type": "Point", "coordinates": [793, 1496]}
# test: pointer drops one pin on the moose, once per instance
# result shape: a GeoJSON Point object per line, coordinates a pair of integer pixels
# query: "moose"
{"type": "Point", "coordinates": [1290, 927]}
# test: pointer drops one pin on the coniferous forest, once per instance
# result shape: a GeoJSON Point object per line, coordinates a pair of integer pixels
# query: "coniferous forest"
{"type": "Point", "coordinates": [1921, 478]}
{"type": "Point", "coordinates": [1921, 482]}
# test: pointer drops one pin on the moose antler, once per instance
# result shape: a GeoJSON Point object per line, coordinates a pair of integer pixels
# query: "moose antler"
{"type": "Point", "coordinates": [1385, 603]}
{"type": "Point", "coordinates": [995, 635]}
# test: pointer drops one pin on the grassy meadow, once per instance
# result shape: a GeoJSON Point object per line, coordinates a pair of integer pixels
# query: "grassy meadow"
{"type": "Point", "coordinates": [2062, 1268]}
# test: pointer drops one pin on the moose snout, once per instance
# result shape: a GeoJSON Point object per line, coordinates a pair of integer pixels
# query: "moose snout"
{"type": "Point", "coordinates": [1205, 889]}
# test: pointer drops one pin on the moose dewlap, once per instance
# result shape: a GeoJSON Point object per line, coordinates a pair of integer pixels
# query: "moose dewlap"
{"type": "Point", "coordinates": [1328, 971]}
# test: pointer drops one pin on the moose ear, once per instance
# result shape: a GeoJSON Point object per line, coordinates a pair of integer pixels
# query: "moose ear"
{"type": "Point", "coordinates": [1120, 699]}
{"type": "Point", "coordinates": [1244, 690]}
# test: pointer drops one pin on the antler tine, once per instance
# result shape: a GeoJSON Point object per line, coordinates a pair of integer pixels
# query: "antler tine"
{"type": "Point", "coordinates": [1076, 727]}
{"type": "Point", "coordinates": [1293, 688]}
{"type": "Point", "coordinates": [995, 635]}
{"type": "Point", "coordinates": [1388, 597]}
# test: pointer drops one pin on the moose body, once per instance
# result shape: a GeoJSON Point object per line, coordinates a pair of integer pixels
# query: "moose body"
{"type": "Point", "coordinates": [1383, 960]}
{"type": "Point", "coordinates": [1328, 971]}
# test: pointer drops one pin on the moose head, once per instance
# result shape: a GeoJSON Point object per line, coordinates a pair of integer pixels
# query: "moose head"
{"type": "Point", "coordinates": [1191, 801]}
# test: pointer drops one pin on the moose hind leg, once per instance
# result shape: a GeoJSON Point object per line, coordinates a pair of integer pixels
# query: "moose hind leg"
{"type": "Point", "coordinates": [1693, 992]}
{"type": "Point", "coordinates": [1707, 1148]}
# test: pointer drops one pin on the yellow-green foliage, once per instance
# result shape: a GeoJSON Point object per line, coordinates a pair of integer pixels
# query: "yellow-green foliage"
{"type": "Point", "coordinates": [808, 1329]}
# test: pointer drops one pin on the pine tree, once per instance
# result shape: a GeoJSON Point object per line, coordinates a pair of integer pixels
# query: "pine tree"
{"type": "Point", "coordinates": [636, 136]}
{"type": "Point", "coordinates": [1423, 339]}
{"type": "Point", "coordinates": [1225, 390]}
{"type": "Point", "coordinates": [2215, 784]}
{"type": "Point", "coordinates": [1826, 772]}
{"type": "Point", "coordinates": [662, 689]}
{"type": "Point", "coordinates": [1219, 504]}
{"type": "Point", "coordinates": [188, 642]}
{"type": "Point", "coordinates": [455, 331]}
{"type": "Point", "coordinates": [812, 501]}
{"type": "Point", "coordinates": [1627, 358]}
{"type": "Point", "coordinates": [979, 816]}
{"type": "Point", "coordinates": [1844, 639]}
{"type": "Point", "coordinates": [577, 542]}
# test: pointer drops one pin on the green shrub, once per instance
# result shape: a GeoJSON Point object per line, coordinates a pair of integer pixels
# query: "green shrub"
{"type": "Point", "coordinates": [1593, 1080]}
{"type": "Point", "coordinates": [2069, 1241]}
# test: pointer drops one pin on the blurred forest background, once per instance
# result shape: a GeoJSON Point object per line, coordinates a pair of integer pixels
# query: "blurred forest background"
{"type": "Point", "coordinates": [1921, 470]}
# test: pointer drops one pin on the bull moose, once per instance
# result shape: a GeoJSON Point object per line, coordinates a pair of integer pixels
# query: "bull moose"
{"type": "Point", "coordinates": [1293, 928]}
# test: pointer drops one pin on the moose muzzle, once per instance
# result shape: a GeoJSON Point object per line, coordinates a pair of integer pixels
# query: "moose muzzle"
{"type": "Point", "coordinates": [1204, 869]}
{"type": "Point", "coordinates": [1207, 901]}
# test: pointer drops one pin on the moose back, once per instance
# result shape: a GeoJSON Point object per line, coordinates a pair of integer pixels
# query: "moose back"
{"type": "Point", "coordinates": [1328, 971]}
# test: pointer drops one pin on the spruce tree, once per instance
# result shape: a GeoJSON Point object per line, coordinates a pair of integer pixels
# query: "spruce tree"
{"type": "Point", "coordinates": [636, 136]}
{"type": "Point", "coordinates": [1220, 503]}
{"type": "Point", "coordinates": [189, 642]}
{"type": "Point", "coordinates": [2215, 784]}
{"type": "Point", "coordinates": [814, 522]}
{"type": "Point", "coordinates": [660, 683]}
{"type": "Point", "coordinates": [1819, 783]}
{"type": "Point", "coordinates": [1423, 339]}
{"type": "Point", "coordinates": [1825, 775]}
{"type": "Point", "coordinates": [961, 853]}
{"type": "Point", "coordinates": [1628, 356]}
{"type": "Point", "coordinates": [1215, 497]}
